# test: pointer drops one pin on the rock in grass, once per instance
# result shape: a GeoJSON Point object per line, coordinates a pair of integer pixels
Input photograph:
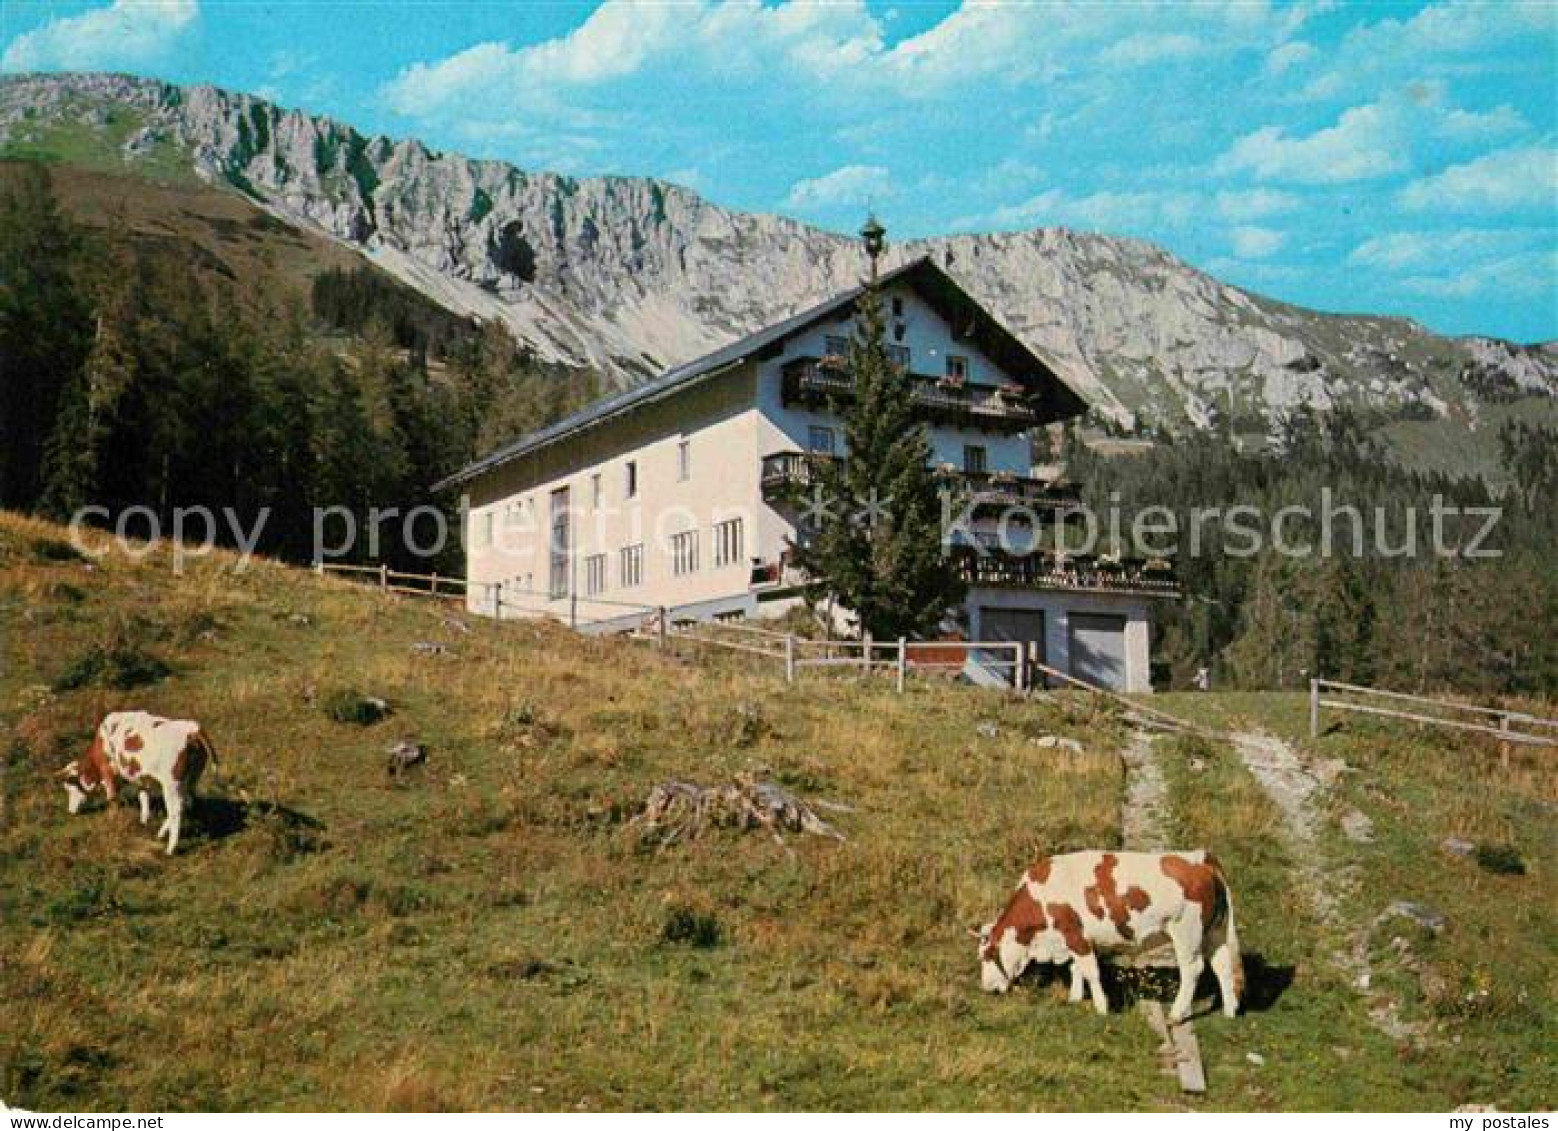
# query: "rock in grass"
{"type": "Point", "coordinates": [429, 648]}
{"type": "Point", "coordinates": [1419, 913]}
{"type": "Point", "coordinates": [405, 754]}
{"type": "Point", "coordinates": [1455, 846]}
{"type": "Point", "coordinates": [1357, 826]}
{"type": "Point", "coordinates": [987, 730]}
{"type": "Point", "coordinates": [1054, 742]}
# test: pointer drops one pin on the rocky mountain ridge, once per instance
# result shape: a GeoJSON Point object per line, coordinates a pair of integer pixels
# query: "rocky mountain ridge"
{"type": "Point", "coordinates": [630, 275]}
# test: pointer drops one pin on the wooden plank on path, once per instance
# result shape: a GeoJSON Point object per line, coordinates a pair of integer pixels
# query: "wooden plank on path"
{"type": "Point", "coordinates": [1179, 1051]}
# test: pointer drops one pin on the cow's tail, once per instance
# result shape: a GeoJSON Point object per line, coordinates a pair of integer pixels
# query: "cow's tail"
{"type": "Point", "coordinates": [202, 744]}
{"type": "Point", "coordinates": [1222, 932]}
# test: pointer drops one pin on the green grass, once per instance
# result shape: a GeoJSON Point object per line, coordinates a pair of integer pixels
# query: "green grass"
{"type": "Point", "coordinates": [1486, 986]}
{"type": "Point", "coordinates": [490, 933]}
{"type": "Point", "coordinates": [99, 146]}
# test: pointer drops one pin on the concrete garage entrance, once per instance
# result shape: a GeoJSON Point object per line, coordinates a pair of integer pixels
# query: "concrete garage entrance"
{"type": "Point", "coordinates": [1013, 624]}
{"type": "Point", "coordinates": [1098, 649]}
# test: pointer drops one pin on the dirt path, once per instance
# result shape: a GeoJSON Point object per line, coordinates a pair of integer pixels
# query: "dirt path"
{"type": "Point", "coordinates": [1143, 819]}
{"type": "Point", "coordinates": [1299, 794]}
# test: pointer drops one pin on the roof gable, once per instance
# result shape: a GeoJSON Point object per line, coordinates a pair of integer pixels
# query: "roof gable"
{"type": "Point", "coordinates": [969, 321]}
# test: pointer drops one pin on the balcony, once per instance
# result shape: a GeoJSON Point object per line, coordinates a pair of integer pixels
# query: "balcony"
{"type": "Point", "coordinates": [816, 381]}
{"type": "Point", "coordinates": [1151, 578]}
{"type": "Point", "coordinates": [789, 473]}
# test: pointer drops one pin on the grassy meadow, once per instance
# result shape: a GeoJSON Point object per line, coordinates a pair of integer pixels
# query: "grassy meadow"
{"type": "Point", "coordinates": [489, 931]}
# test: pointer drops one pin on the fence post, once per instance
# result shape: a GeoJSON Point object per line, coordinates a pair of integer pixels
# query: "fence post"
{"type": "Point", "coordinates": [573, 610]}
{"type": "Point", "coordinates": [435, 583]}
{"type": "Point", "coordinates": [1020, 666]}
{"type": "Point", "coordinates": [1314, 708]}
{"type": "Point", "coordinates": [1030, 664]}
{"type": "Point", "coordinates": [903, 662]}
{"type": "Point", "coordinates": [383, 576]}
{"type": "Point", "coordinates": [1503, 745]}
{"type": "Point", "coordinates": [789, 658]}
{"type": "Point", "coordinates": [319, 566]}
{"type": "Point", "coordinates": [865, 652]}
{"type": "Point", "coordinates": [660, 631]}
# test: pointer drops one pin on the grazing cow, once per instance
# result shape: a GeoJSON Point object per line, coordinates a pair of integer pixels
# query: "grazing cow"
{"type": "Point", "coordinates": [1066, 908]}
{"type": "Point", "coordinates": [143, 749]}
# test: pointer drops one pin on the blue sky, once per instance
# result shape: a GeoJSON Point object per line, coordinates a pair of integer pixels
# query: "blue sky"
{"type": "Point", "coordinates": [1394, 158]}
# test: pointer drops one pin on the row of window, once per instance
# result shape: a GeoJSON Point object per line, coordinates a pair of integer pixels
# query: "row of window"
{"type": "Point", "coordinates": [727, 541]}
{"type": "Point", "coordinates": [956, 364]}
{"type": "Point", "coordinates": [823, 441]}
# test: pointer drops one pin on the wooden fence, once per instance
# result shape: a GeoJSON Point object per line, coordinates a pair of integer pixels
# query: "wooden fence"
{"type": "Point", "coordinates": [1014, 663]}
{"type": "Point", "coordinates": [398, 581]}
{"type": "Point", "coordinates": [1510, 727]}
{"type": "Point", "coordinates": [1008, 660]}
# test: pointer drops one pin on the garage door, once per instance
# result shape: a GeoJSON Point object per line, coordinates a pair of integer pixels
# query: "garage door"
{"type": "Point", "coordinates": [1017, 625]}
{"type": "Point", "coordinates": [1098, 649]}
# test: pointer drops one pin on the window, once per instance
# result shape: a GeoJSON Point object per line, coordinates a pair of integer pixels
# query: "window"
{"type": "Point", "coordinates": [974, 459]}
{"type": "Point", "coordinates": [630, 480]}
{"type": "Point", "coordinates": [897, 306]}
{"type": "Point", "coordinates": [630, 565]}
{"type": "Point", "coordinates": [819, 440]}
{"type": "Point", "coordinates": [596, 491]}
{"type": "Point", "coordinates": [898, 355]}
{"type": "Point", "coordinates": [731, 616]}
{"type": "Point", "coordinates": [481, 529]}
{"type": "Point", "coordinates": [683, 460]}
{"type": "Point", "coordinates": [728, 545]}
{"type": "Point", "coordinates": [957, 367]}
{"type": "Point", "coordinates": [562, 545]}
{"type": "Point", "coordinates": [835, 345]}
{"type": "Point", "coordinates": [900, 331]}
{"type": "Point", "coordinates": [594, 574]}
{"type": "Point", "coordinates": [684, 553]}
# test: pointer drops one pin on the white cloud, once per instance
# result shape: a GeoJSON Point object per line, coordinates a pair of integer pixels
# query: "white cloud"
{"type": "Point", "coordinates": [1254, 204]}
{"type": "Point", "coordinates": [1255, 243]}
{"type": "Point", "coordinates": [1127, 213]}
{"type": "Point", "coordinates": [1472, 125]}
{"type": "Point", "coordinates": [1136, 50]}
{"type": "Point", "coordinates": [1287, 56]}
{"type": "Point", "coordinates": [1416, 250]}
{"type": "Point", "coordinates": [1528, 273]}
{"type": "Point", "coordinates": [127, 33]}
{"type": "Point", "coordinates": [853, 185]}
{"type": "Point", "coordinates": [1366, 142]}
{"type": "Point", "coordinates": [1521, 177]}
{"type": "Point", "coordinates": [1457, 37]}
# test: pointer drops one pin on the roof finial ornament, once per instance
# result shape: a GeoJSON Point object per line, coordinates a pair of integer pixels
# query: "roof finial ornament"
{"type": "Point", "coordinates": [874, 236]}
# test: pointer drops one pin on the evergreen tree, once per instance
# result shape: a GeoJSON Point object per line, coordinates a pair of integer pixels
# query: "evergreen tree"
{"type": "Point", "coordinates": [878, 553]}
{"type": "Point", "coordinates": [44, 326]}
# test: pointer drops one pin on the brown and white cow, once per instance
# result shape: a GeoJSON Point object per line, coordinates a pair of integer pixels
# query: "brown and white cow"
{"type": "Point", "coordinates": [1068, 908]}
{"type": "Point", "coordinates": [142, 749]}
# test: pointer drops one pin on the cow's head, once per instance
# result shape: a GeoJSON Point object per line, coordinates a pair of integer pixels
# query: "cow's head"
{"type": "Point", "coordinates": [1001, 959]}
{"type": "Point", "coordinates": [78, 781]}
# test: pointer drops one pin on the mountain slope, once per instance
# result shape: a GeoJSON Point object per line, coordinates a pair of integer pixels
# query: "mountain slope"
{"type": "Point", "coordinates": [629, 275]}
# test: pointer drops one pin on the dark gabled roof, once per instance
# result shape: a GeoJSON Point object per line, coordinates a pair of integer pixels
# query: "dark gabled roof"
{"type": "Point", "coordinates": [929, 281]}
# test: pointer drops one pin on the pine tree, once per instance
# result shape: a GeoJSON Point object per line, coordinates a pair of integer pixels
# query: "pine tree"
{"type": "Point", "coordinates": [44, 326]}
{"type": "Point", "coordinates": [878, 552]}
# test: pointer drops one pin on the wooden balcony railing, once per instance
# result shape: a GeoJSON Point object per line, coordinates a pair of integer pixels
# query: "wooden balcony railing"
{"type": "Point", "coordinates": [815, 381]}
{"type": "Point", "coordinates": [1154, 577]}
{"type": "Point", "coordinates": [788, 472]}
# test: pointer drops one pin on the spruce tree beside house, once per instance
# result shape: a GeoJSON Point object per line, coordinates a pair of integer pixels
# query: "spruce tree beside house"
{"type": "Point", "coordinates": [876, 550]}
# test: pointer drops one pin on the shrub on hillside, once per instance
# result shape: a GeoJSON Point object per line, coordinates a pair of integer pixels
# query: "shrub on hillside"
{"type": "Point", "coordinates": [1501, 859]}
{"type": "Point", "coordinates": [684, 925]}
{"type": "Point", "coordinates": [117, 665]}
{"type": "Point", "coordinates": [345, 705]}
